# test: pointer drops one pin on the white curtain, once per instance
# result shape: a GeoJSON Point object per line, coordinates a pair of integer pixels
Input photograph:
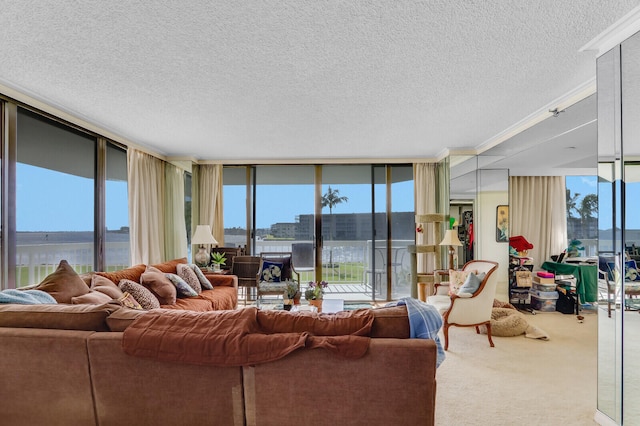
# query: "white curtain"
{"type": "Point", "coordinates": [175, 228]}
{"type": "Point", "coordinates": [539, 213]}
{"type": "Point", "coordinates": [209, 190]}
{"type": "Point", "coordinates": [146, 217]}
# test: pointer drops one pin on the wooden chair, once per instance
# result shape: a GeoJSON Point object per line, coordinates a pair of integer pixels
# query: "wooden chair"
{"type": "Point", "coordinates": [229, 253]}
{"type": "Point", "coordinates": [246, 268]}
{"type": "Point", "coordinates": [276, 268]}
{"type": "Point", "coordinates": [472, 311]}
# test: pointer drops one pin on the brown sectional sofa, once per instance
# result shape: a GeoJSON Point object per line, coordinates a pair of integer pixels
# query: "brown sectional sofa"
{"type": "Point", "coordinates": [52, 375]}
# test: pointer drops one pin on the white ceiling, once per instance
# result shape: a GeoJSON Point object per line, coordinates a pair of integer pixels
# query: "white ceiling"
{"type": "Point", "coordinates": [301, 79]}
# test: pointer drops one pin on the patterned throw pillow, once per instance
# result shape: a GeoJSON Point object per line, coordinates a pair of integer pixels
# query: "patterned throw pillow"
{"type": "Point", "coordinates": [186, 273]}
{"type": "Point", "coordinates": [271, 271]}
{"type": "Point", "coordinates": [456, 279]}
{"type": "Point", "coordinates": [144, 297]}
{"type": "Point", "coordinates": [128, 301]}
{"type": "Point", "coordinates": [204, 282]}
{"type": "Point", "coordinates": [183, 289]}
{"type": "Point", "coordinates": [472, 283]}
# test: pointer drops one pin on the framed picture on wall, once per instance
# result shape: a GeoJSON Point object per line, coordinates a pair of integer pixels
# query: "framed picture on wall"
{"type": "Point", "coordinates": [502, 224]}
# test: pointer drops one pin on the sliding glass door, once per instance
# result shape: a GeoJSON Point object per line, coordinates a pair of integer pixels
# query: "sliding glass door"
{"type": "Point", "coordinates": [349, 225]}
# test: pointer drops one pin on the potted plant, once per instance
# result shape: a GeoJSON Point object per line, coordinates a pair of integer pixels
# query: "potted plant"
{"type": "Point", "coordinates": [315, 292]}
{"type": "Point", "coordinates": [218, 259]}
{"type": "Point", "coordinates": [290, 295]}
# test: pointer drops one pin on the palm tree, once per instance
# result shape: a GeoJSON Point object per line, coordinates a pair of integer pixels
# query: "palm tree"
{"type": "Point", "coordinates": [588, 208]}
{"type": "Point", "coordinates": [572, 204]}
{"type": "Point", "coordinates": [330, 199]}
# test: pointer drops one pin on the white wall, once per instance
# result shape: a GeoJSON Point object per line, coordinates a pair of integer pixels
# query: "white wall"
{"type": "Point", "coordinates": [485, 236]}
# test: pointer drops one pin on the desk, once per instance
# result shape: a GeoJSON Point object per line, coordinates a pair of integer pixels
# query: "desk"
{"type": "Point", "coordinates": [586, 278]}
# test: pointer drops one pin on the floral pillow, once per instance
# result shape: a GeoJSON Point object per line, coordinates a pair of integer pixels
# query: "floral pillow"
{"type": "Point", "coordinates": [185, 272]}
{"type": "Point", "coordinates": [183, 289]}
{"type": "Point", "coordinates": [456, 280]}
{"type": "Point", "coordinates": [271, 272]}
{"type": "Point", "coordinates": [204, 282]}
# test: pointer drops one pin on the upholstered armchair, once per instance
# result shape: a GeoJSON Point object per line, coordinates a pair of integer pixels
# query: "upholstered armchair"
{"type": "Point", "coordinates": [275, 270]}
{"type": "Point", "coordinates": [468, 309]}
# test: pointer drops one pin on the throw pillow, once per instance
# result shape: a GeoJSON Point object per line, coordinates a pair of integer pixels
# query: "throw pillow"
{"type": "Point", "coordinates": [456, 280]}
{"type": "Point", "coordinates": [144, 297]}
{"type": "Point", "coordinates": [63, 284]}
{"type": "Point", "coordinates": [471, 284]}
{"type": "Point", "coordinates": [271, 271]}
{"type": "Point", "coordinates": [162, 288]}
{"type": "Point", "coordinates": [204, 282]}
{"type": "Point", "coordinates": [128, 301]}
{"type": "Point", "coordinates": [106, 286]}
{"type": "Point", "coordinates": [93, 297]}
{"type": "Point", "coordinates": [183, 289]}
{"type": "Point", "coordinates": [186, 273]}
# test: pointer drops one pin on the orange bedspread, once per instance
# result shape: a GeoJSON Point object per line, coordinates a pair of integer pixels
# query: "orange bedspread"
{"type": "Point", "coordinates": [244, 337]}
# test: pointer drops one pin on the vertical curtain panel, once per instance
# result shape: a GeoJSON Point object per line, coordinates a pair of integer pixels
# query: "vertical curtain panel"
{"type": "Point", "coordinates": [538, 212]}
{"type": "Point", "coordinates": [425, 177]}
{"type": "Point", "coordinates": [175, 227]}
{"type": "Point", "coordinates": [146, 216]}
{"type": "Point", "coordinates": [210, 207]}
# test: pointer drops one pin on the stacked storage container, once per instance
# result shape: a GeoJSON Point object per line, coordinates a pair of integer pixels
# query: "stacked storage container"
{"type": "Point", "coordinates": [543, 293]}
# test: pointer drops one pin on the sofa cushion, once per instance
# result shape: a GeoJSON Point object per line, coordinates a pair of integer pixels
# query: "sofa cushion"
{"type": "Point", "coordinates": [196, 304]}
{"type": "Point", "coordinates": [144, 297]}
{"type": "Point", "coordinates": [157, 282]}
{"type": "Point", "coordinates": [356, 322]}
{"type": "Point", "coordinates": [122, 318]}
{"type": "Point", "coordinates": [185, 272]}
{"type": "Point", "coordinates": [391, 322]}
{"type": "Point", "coordinates": [63, 284]}
{"type": "Point", "coordinates": [106, 286]}
{"type": "Point", "coordinates": [183, 289]}
{"type": "Point", "coordinates": [93, 297]}
{"type": "Point", "coordinates": [65, 317]}
{"type": "Point", "coordinates": [170, 265]}
{"type": "Point", "coordinates": [204, 281]}
{"type": "Point", "coordinates": [132, 273]}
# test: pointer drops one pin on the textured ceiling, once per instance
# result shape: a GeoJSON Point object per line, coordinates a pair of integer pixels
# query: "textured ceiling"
{"type": "Point", "coordinates": [298, 80]}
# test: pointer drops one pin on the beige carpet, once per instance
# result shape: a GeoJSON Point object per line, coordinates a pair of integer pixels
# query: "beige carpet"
{"type": "Point", "coordinates": [521, 380]}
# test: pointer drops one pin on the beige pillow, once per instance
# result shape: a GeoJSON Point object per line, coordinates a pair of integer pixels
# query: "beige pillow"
{"type": "Point", "coordinates": [456, 279]}
{"type": "Point", "coordinates": [93, 297]}
{"type": "Point", "coordinates": [63, 284]}
{"type": "Point", "coordinates": [157, 282]}
{"type": "Point", "coordinates": [186, 273]}
{"type": "Point", "coordinates": [144, 297]}
{"type": "Point", "coordinates": [106, 286]}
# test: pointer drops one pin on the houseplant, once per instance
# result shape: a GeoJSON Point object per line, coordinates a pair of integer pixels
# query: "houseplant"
{"type": "Point", "coordinates": [315, 292]}
{"type": "Point", "coordinates": [218, 259]}
{"type": "Point", "coordinates": [291, 294]}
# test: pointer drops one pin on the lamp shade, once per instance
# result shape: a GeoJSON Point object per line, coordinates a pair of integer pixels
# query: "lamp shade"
{"type": "Point", "coordinates": [450, 238]}
{"type": "Point", "coordinates": [203, 235]}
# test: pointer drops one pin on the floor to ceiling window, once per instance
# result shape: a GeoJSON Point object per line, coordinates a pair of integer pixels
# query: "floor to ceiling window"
{"type": "Point", "coordinates": [67, 197]}
{"type": "Point", "coordinates": [364, 215]}
{"type": "Point", "coordinates": [55, 174]}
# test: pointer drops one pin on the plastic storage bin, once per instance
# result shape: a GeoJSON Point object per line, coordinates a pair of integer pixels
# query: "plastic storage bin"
{"type": "Point", "coordinates": [544, 301]}
{"type": "Point", "coordinates": [544, 287]}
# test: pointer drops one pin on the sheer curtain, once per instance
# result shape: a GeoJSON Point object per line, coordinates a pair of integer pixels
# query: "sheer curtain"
{"type": "Point", "coordinates": [209, 204]}
{"type": "Point", "coordinates": [538, 212]}
{"type": "Point", "coordinates": [146, 215]}
{"type": "Point", "coordinates": [431, 183]}
{"type": "Point", "coordinates": [175, 228]}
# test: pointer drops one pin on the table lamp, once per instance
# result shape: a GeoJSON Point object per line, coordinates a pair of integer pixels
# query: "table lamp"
{"type": "Point", "coordinates": [451, 239]}
{"type": "Point", "coordinates": [203, 236]}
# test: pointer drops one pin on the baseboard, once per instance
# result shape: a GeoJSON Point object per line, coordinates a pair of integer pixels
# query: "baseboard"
{"type": "Point", "coordinates": [603, 420]}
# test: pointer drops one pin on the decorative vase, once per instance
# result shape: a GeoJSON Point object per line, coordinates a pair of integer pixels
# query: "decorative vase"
{"type": "Point", "coordinates": [317, 303]}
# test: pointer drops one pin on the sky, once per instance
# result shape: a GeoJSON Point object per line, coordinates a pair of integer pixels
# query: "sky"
{"type": "Point", "coordinates": [54, 201]}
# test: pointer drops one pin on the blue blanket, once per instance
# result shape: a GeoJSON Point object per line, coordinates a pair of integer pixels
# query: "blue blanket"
{"type": "Point", "coordinates": [26, 297]}
{"type": "Point", "coordinates": [424, 323]}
